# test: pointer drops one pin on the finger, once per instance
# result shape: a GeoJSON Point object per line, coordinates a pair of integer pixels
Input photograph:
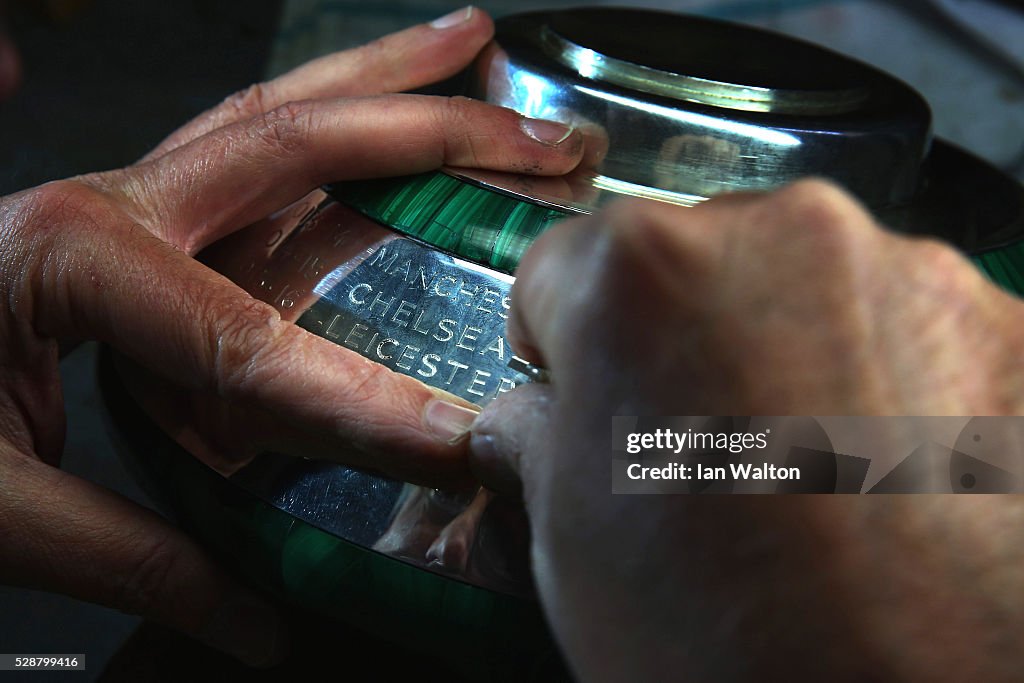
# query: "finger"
{"type": "Point", "coordinates": [555, 189]}
{"type": "Point", "coordinates": [409, 59]}
{"type": "Point", "coordinates": [82, 540]}
{"type": "Point", "coordinates": [119, 284]}
{"type": "Point", "coordinates": [31, 398]}
{"type": "Point", "coordinates": [624, 263]}
{"type": "Point", "coordinates": [226, 435]}
{"type": "Point", "coordinates": [453, 546]}
{"type": "Point", "coordinates": [504, 439]}
{"type": "Point", "coordinates": [239, 174]}
{"type": "Point", "coordinates": [597, 272]}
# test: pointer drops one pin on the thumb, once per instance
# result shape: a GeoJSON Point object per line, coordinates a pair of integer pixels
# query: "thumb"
{"type": "Point", "coordinates": [507, 439]}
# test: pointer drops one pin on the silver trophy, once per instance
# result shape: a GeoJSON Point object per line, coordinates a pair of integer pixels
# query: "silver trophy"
{"type": "Point", "coordinates": [415, 273]}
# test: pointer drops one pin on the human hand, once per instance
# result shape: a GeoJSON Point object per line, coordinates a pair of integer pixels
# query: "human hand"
{"type": "Point", "coordinates": [108, 256]}
{"type": "Point", "coordinates": [791, 303]}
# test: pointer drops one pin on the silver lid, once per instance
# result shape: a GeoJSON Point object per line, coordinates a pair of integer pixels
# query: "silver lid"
{"type": "Point", "coordinates": [681, 108]}
{"type": "Point", "coordinates": [694, 107]}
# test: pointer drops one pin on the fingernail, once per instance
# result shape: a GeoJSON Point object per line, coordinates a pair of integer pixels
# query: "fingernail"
{"type": "Point", "coordinates": [248, 629]}
{"type": "Point", "coordinates": [546, 132]}
{"type": "Point", "coordinates": [491, 467]}
{"type": "Point", "coordinates": [449, 422]}
{"type": "Point", "coordinates": [459, 16]}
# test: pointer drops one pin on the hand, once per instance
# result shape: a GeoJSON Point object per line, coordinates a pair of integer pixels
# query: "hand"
{"type": "Point", "coordinates": [108, 256]}
{"type": "Point", "coordinates": [791, 303]}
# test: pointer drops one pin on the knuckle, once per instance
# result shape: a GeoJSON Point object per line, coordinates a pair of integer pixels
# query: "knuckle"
{"type": "Point", "coordinates": [454, 111]}
{"type": "Point", "coordinates": [637, 260]}
{"type": "Point", "coordinates": [823, 218]}
{"type": "Point", "coordinates": [939, 257]}
{"type": "Point", "coordinates": [641, 220]}
{"type": "Point", "coordinates": [452, 125]}
{"type": "Point", "coordinates": [816, 203]}
{"type": "Point", "coordinates": [36, 228]}
{"type": "Point", "coordinates": [147, 577]}
{"type": "Point", "coordinates": [374, 51]}
{"type": "Point", "coordinates": [284, 128]}
{"type": "Point", "coordinates": [249, 102]}
{"type": "Point", "coordinates": [944, 267]}
{"type": "Point", "coordinates": [645, 234]}
{"type": "Point", "coordinates": [59, 203]}
{"type": "Point", "coordinates": [814, 192]}
{"type": "Point", "coordinates": [242, 336]}
{"type": "Point", "coordinates": [622, 237]}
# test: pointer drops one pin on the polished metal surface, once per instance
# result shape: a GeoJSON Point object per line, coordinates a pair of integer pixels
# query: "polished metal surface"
{"type": "Point", "coordinates": [673, 108]}
{"type": "Point", "coordinates": [534, 372]}
{"type": "Point", "coordinates": [681, 108]}
{"type": "Point", "coordinates": [599, 67]}
{"type": "Point", "coordinates": [417, 310]}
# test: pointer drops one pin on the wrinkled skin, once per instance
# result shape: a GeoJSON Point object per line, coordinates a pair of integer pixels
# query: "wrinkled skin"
{"type": "Point", "coordinates": [108, 256]}
{"type": "Point", "coordinates": [790, 303]}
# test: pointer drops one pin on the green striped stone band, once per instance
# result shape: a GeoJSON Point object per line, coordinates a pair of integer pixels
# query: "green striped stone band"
{"type": "Point", "coordinates": [1004, 266]}
{"type": "Point", "coordinates": [481, 224]}
{"type": "Point", "coordinates": [494, 228]}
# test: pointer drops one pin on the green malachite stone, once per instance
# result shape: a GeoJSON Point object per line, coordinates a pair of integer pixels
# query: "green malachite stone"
{"type": "Point", "coordinates": [483, 225]}
{"type": "Point", "coordinates": [497, 637]}
{"type": "Point", "coordinates": [1004, 266]}
{"type": "Point", "coordinates": [494, 229]}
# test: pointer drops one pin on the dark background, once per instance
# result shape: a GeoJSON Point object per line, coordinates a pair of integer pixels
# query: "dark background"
{"type": "Point", "coordinates": [105, 81]}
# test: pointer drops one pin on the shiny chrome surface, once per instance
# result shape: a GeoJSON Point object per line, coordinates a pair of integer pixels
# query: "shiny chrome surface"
{"type": "Point", "coordinates": [600, 67]}
{"type": "Point", "coordinates": [746, 111]}
{"type": "Point", "coordinates": [682, 108]}
{"type": "Point", "coordinates": [419, 311]}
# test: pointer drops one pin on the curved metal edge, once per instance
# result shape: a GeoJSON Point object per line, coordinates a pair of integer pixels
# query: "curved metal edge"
{"type": "Point", "coordinates": [373, 199]}
{"type": "Point", "coordinates": [694, 150]}
{"type": "Point", "coordinates": [488, 636]}
{"type": "Point", "coordinates": [591, 64]}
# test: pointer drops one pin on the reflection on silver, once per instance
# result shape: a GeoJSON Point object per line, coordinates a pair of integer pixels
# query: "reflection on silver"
{"type": "Point", "coordinates": [534, 372]}
{"type": "Point", "coordinates": [441, 319]}
{"type": "Point", "coordinates": [621, 187]}
{"type": "Point", "coordinates": [421, 312]}
{"type": "Point", "coordinates": [673, 127]}
{"type": "Point", "coordinates": [424, 313]}
{"type": "Point", "coordinates": [594, 65]}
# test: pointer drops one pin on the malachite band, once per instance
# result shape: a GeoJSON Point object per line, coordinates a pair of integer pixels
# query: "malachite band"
{"type": "Point", "coordinates": [483, 225]}
{"type": "Point", "coordinates": [500, 637]}
{"type": "Point", "coordinates": [1004, 266]}
{"type": "Point", "coordinates": [494, 228]}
